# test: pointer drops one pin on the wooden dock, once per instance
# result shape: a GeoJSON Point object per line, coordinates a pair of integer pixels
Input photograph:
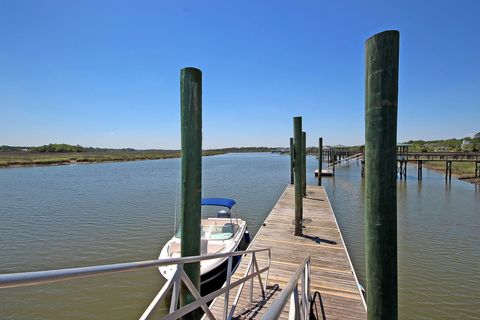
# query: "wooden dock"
{"type": "Point", "coordinates": [332, 273]}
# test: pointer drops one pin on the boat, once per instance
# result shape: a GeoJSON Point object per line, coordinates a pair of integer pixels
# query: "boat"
{"type": "Point", "coordinates": [220, 233]}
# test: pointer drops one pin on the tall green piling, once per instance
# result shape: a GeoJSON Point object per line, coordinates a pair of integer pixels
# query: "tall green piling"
{"type": "Point", "coordinates": [304, 159]}
{"type": "Point", "coordinates": [381, 95]}
{"type": "Point", "coordinates": [292, 175]}
{"type": "Point", "coordinates": [320, 160]}
{"type": "Point", "coordinates": [297, 136]}
{"type": "Point", "coordinates": [191, 184]}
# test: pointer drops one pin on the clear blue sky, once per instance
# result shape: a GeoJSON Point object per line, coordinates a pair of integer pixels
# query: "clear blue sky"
{"type": "Point", "coordinates": [106, 73]}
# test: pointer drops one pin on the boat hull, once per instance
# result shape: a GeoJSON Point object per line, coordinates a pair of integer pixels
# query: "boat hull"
{"type": "Point", "coordinates": [215, 278]}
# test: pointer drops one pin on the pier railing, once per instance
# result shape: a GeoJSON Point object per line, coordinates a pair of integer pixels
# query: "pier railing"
{"type": "Point", "coordinates": [344, 161]}
{"type": "Point", "coordinates": [300, 297]}
{"type": "Point", "coordinates": [252, 272]}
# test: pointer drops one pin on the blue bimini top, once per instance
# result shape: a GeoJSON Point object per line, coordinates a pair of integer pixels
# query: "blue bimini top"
{"type": "Point", "coordinates": [221, 202]}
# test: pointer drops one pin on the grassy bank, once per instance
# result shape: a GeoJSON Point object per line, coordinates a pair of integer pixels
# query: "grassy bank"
{"type": "Point", "coordinates": [458, 168]}
{"type": "Point", "coordinates": [462, 170]}
{"type": "Point", "coordinates": [13, 159]}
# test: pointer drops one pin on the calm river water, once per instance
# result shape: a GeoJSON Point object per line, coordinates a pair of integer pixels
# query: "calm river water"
{"type": "Point", "coordinates": [78, 215]}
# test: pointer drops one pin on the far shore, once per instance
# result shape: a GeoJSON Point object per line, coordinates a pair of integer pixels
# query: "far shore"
{"type": "Point", "coordinates": [463, 172]}
{"type": "Point", "coordinates": [33, 159]}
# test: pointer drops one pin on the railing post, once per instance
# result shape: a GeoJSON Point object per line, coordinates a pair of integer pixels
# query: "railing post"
{"type": "Point", "coordinates": [320, 160]}
{"type": "Point", "coordinates": [227, 283]}
{"type": "Point", "coordinates": [304, 294]}
{"type": "Point", "coordinates": [292, 176]}
{"type": "Point", "coordinates": [297, 135]}
{"type": "Point", "coordinates": [380, 174]}
{"type": "Point", "coordinates": [304, 159]}
{"type": "Point", "coordinates": [191, 183]}
{"type": "Point", "coordinates": [252, 271]}
{"type": "Point", "coordinates": [176, 288]}
{"type": "Point", "coordinates": [294, 309]}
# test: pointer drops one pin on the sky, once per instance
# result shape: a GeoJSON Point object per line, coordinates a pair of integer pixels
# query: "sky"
{"type": "Point", "coordinates": [107, 73]}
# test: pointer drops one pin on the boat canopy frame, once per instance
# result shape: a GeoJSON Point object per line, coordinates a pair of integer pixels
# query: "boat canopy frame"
{"type": "Point", "coordinates": [220, 202]}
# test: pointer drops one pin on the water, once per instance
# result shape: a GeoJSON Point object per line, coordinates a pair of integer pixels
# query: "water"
{"type": "Point", "coordinates": [58, 217]}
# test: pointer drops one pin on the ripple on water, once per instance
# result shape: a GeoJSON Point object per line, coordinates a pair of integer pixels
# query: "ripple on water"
{"type": "Point", "coordinates": [90, 214]}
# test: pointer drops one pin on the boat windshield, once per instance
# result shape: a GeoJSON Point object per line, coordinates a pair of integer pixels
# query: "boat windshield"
{"type": "Point", "coordinates": [222, 231]}
{"type": "Point", "coordinates": [217, 223]}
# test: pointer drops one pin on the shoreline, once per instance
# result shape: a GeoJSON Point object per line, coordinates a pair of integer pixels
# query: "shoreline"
{"type": "Point", "coordinates": [460, 176]}
{"type": "Point", "coordinates": [46, 160]}
{"type": "Point", "coordinates": [69, 163]}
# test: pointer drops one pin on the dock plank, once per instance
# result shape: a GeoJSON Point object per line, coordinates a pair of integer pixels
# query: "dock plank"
{"type": "Point", "coordinates": [331, 274]}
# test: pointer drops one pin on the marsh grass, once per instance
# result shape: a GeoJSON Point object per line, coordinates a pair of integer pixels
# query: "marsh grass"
{"type": "Point", "coordinates": [460, 169]}
{"type": "Point", "coordinates": [11, 159]}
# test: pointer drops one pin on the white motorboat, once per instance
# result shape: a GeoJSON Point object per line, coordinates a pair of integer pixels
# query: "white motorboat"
{"type": "Point", "coordinates": [221, 233]}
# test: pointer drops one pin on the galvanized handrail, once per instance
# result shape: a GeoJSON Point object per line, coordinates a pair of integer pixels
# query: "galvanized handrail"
{"type": "Point", "coordinates": [179, 277]}
{"type": "Point", "coordinates": [299, 303]}
{"type": "Point", "coordinates": [38, 277]}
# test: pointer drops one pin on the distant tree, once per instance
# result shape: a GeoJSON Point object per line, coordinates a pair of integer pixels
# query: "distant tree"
{"type": "Point", "coordinates": [55, 147]}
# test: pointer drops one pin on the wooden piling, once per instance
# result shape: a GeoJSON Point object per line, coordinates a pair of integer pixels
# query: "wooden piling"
{"type": "Point", "coordinates": [419, 169]}
{"type": "Point", "coordinates": [304, 159]}
{"type": "Point", "coordinates": [320, 160]}
{"type": "Point", "coordinates": [382, 55]}
{"type": "Point", "coordinates": [191, 183]}
{"type": "Point", "coordinates": [297, 136]}
{"type": "Point", "coordinates": [334, 159]}
{"type": "Point", "coordinates": [448, 170]}
{"type": "Point", "coordinates": [292, 176]}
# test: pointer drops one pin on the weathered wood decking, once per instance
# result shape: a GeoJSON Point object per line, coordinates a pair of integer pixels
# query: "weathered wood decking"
{"type": "Point", "coordinates": [332, 273]}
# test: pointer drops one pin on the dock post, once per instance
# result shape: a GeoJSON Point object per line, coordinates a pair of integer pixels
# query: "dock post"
{"type": "Point", "coordinates": [304, 159]}
{"type": "Point", "coordinates": [320, 160]}
{"type": "Point", "coordinates": [292, 177]}
{"type": "Point", "coordinates": [191, 183]}
{"type": "Point", "coordinates": [334, 158]}
{"type": "Point", "coordinates": [477, 169]}
{"type": "Point", "coordinates": [448, 170]}
{"type": "Point", "coordinates": [297, 136]}
{"type": "Point", "coordinates": [419, 169]}
{"type": "Point", "coordinates": [381, 90]}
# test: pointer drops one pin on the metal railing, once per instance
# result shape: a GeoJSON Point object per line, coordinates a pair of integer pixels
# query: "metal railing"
{"type": "Point", "coordinates": [253, 271]}
{"type": "Point", "coordinates": [345, 161]}
{"type": "Point", "coordinates": [299, 302]}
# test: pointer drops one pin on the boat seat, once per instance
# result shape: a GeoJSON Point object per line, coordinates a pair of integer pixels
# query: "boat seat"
{"type": "Point", "coordinates": [174, 248]}
{"type": "Point", "coordinates": [214, 248]}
